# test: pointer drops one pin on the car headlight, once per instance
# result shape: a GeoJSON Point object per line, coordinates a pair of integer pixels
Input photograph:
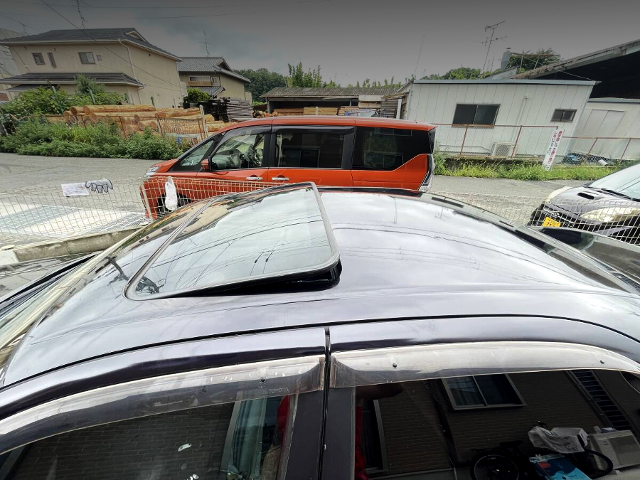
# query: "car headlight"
{"type": "Point", "coordinates": [555, 193]}
{"type": "Point", "coordinates": [611, 214]}
{"type": "Point", "coordinates": [151, 171]}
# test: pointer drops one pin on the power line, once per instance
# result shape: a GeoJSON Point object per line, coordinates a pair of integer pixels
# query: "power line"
{"type": "Point", "coordinates": [128, 7]}
{"type": "Point", "coordinates": [108, 49]}
{"type": "Point", "coordinates": [80, 13]}
{"type": "Point", "coordinates": [163, 17]}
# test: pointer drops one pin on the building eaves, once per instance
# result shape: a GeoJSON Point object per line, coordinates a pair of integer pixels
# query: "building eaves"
{"type": "Point", "coordinates": [507, 81]}
{"type": "Point", "coordinates": [582, 60]}
{"type": "Point", "coordinates": [69, 78]}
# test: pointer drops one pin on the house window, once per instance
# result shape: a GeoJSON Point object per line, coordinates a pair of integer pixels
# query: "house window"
{"type": "Point", "coordinates": [468, 114]}
{"type": "Point", "coordinates": [38, 58]}
{"type": "Point", "coordinates": [86, 57]}
{"type": "Point", "coordinates": [201, 78]}
{"type": "Point", "coordinates": [560, 115]}
{"type": "Point", "coordinates": [215, 81]}
{"type": "Point", "coordinates": [52, 60]}
{"type": "Point", "coordinates": [483, 391]}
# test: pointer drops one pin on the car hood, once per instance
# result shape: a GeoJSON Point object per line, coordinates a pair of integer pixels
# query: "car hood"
{"type": "Point", "coordinates": [581, 200]}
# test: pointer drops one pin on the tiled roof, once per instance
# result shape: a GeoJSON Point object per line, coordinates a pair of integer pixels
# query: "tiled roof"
{"type": "Point", "coordinates": [69, 79]}
{"type": "Point", "coordinates": [88, 35]}
{"type": "Point", "coordinates": [329, 92]}
{"type": "Point", "coordinates": [208, 65]}
{"type": "Point", "coordinates": [199, 64]}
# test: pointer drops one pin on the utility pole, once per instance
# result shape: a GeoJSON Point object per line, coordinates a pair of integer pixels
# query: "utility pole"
{"type": "Point", "coordinates": [490, 40]}
{"type": "Point", "coordinates": [206, 44]}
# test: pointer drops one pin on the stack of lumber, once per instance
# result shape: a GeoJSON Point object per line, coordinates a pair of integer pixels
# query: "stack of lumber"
{"type": "Point", "coordinates": [320, 111]}
{"type": "Point", "coordinates": [239, 110]}
{"type": "Point", "coordinates": [352, 110]}
{"type": "Point", "coordinates": [288, 112]}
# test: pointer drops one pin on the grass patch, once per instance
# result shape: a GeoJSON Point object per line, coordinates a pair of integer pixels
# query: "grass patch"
{"type": "Point", "coordinates": [102, 140]}
{"type": "Point", "coordinates": [523, 171]}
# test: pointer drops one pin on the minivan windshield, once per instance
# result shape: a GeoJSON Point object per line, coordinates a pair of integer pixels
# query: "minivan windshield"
{"type": "Point", "coordinates": [625, 182]}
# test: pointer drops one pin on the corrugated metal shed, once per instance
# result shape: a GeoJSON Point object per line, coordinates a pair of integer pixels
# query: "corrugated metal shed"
{"type": "Point", "coordinates": [512, 103]}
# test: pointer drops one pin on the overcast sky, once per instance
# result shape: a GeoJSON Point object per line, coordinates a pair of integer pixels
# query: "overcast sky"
{"type": "Point", "coordinates": [350, 39]}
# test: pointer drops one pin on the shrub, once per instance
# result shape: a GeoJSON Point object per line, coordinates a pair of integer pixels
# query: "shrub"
{"type": "Point", "coordinates": [195, 95]}
{"type": "Point", "coordinates": [35, 137]}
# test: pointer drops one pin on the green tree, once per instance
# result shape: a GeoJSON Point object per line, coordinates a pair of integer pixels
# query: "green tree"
{"type": "Point", "coordinates": [530, 61]}
{"type": "Point", "coordinates": [195, 95]}
{"type": "Point", "coordinates": [299, 78]}
{"type": "Point", "coordinates": [462, 73]}
{"type": "Point", "coordinates": [87, 86]}
{"type": "Point", "coordinates": [262, 80]}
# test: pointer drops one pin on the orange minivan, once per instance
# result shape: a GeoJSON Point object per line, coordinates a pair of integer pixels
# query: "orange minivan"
{"type": "Point", "coordinates": [329, 151]}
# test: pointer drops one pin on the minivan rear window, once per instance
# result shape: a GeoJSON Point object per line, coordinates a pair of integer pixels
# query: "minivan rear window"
{"type": "Point", "coordinates": [388, 148]}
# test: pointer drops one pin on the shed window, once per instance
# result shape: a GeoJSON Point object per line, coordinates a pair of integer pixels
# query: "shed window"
{"type": "Point", "coordinates": [38, 58]}
{"type": "Point", "coordinates": [472, 114]}
{"type": "Point", "coordinates": [560, 115]}
{"type": "Point", "coordinates": [482, 391]}
{"type": "Point", "coordinates": [86, 57]}
{"type": "Point", "coordinates": [52, 60]}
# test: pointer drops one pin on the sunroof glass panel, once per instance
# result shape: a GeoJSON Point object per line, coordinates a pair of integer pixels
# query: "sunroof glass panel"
{"type": "Point", "coordinates": [268, 235]}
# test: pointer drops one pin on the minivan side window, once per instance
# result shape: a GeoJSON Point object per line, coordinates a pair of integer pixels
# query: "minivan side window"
{"type": "Point", "coordinates": [243, 150]}
{"type": "Point", "coordinates": [309, 149]}
{"type": "Point", "coordinates": [241, 440]}
{"type": "Point", "coordinates": [388, 148]}
{"type": "Point", "coordinates": [191, 161]}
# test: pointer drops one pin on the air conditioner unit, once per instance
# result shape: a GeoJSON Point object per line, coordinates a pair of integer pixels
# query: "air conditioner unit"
{"type": "Point", "coordinates": [621, 447]}
{"type": "Point", "coordinates": [502, 149]}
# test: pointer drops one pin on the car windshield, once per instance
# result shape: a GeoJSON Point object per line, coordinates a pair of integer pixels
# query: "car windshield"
{"type": "Point", "coordinates": [625, 182]}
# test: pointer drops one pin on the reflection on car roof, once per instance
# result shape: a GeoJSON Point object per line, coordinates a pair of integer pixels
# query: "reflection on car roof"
{"type": "Point", "coordinates": [278, 234]}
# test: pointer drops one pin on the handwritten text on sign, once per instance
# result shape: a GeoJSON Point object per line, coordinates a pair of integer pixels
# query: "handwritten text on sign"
{"type": "Point", "coordinates": [553, 149]}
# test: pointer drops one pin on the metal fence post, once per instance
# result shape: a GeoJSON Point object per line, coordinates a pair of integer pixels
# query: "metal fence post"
{"type": "Point", "coordinates": [464, 139]}
{"type": "Point", "coordinates": [590, 150]}
{"type": "Point", "coordinates": [625, 149]}
{"type": "Point", "coordinates": [515, 145]}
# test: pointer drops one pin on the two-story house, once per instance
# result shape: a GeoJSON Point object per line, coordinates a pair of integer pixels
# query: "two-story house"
{"type": "Point", "coordinates": [214, 76]}
{"type": "Point", "coordinates": [120, 58]}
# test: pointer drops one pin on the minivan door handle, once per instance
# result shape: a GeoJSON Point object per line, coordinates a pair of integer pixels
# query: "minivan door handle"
{"type": "Point", "coordinates": [280, 179]}
{"type": "Point", "coordinates": [254, 177]}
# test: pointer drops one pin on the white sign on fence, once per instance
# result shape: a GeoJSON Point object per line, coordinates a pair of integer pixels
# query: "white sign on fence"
{"type": "Point", "coordinates": [556, 136]}
{"type": "Point", "coordinates": [74, 190]}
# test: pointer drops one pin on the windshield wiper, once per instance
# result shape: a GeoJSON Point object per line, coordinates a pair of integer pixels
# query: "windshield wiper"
{"type": "Point", "coordinates": [613, 192]}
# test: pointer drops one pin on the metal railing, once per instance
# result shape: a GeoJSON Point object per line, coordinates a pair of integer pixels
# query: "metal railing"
{"type": "Point", "coordinates": [38, 215]}
{"type": "Point", "coordinates": [530, 142]}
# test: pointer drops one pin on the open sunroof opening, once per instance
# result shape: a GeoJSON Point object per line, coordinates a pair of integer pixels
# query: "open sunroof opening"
{"type": "Point", "coordinates": [269, 236]}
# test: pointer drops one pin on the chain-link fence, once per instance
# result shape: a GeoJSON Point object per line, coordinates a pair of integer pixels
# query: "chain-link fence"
{"type": "Point", "coordinates": [103, 206]}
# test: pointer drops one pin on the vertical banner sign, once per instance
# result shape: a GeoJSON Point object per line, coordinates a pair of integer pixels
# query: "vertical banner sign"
{"type": "Point", "coordinates": [556, 136]}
